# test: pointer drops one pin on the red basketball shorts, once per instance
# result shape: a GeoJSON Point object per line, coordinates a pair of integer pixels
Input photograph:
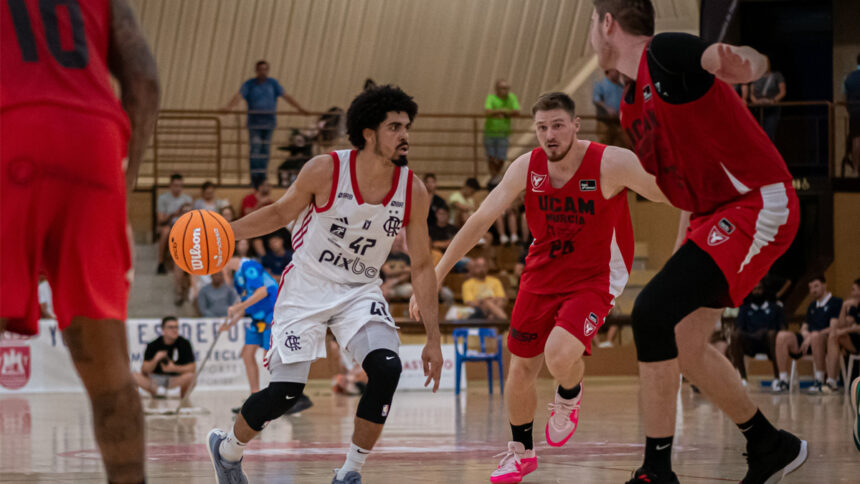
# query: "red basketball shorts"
{"type": "Point", "coordinates": [747, 236]}
{"type": "Point", "coordinates": [581, 313]}
{"type": "Point", "coordinates": [62, 214]}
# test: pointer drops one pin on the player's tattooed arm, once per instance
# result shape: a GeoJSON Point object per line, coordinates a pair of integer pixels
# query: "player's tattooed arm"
{"type": "Point", "coordinates": [734, 65]}
{"type": "Point", "coordinates": [133, 64]}
{"type": "Point", "coordinates": [313, 185]}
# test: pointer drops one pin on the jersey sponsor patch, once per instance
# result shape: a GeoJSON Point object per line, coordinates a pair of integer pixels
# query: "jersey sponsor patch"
{"type": "Point", "coordinates": [715, 237]}
{"type": "Point", "coordinates": [523, 336]}
{"type": "Point", "coordinates": [338, 230]}
{"type": "Point", "coordinates": [590, 324]}
{"type": "Point", "coordinates": [646, 92]}
{"type": "Point", "coordinates": [587, 185]}
{"type": "Point", "coordinates": [345, 195]}
{"type": "Point", "coordinates": [537, 181]}
{"type": "Point", "coordinates": [726, 226]}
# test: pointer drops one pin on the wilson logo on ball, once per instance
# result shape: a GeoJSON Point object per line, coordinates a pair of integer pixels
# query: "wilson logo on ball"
{"type": "Point", "coordinates": [201, 242]}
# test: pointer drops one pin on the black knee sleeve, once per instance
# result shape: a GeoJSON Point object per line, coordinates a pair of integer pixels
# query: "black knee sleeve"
{"type": "Point", "coordinates": [270, 403]}
{"type": "Point", "coordinates": [690, 280]}
{"type": "Point", "coordinates": [383, 372]}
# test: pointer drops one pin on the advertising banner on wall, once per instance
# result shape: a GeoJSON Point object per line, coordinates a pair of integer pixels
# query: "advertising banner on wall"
{"type": "Point", "coordinates": [42, 363]}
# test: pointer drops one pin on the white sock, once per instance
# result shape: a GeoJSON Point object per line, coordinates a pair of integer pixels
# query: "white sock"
{"type": "Point", "coordinates": [819, 375]}
{"type": "Point", "coordinates": [831, 382]}
{"type": "Point", "coordinates": [783, 376]}
{"type": "Point", "coordinates": [354, 460]}
{"type": "Point", "coordinates": [231, 449]}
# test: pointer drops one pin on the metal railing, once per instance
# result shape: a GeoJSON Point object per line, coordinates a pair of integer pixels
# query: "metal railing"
{"type": "Point", "coordinates": [213, 145]}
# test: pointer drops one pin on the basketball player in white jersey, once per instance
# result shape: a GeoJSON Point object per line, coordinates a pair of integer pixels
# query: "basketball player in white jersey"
{"type": "Point", "coordinates": [348, 207]}
{"type": "Point", "coordinates": [580, 260]}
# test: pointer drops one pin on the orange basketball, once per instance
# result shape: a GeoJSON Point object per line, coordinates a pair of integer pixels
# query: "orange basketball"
{"type": "Point", "coordinates": [201, 242]}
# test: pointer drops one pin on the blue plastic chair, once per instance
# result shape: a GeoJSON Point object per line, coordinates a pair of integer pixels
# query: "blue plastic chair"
{"type": "Point", "coordinates": [464, 354]}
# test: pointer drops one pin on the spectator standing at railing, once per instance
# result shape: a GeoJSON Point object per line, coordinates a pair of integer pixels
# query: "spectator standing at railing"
{"type": "Point", "coordinates": [261, 94]}
{"type": "Point", "coordinates": [216, 297]}
{"type": "Point", "coordinates": [499, 108]}
{"type": "Point", "coordinates": [207, 200]}
{"type": "Point", "coordinates": [168, 209]}
{"type": "Point", "coordinates": [259, 198]}
{"type": "Point", "coordinates": [607, 99]}
{"type": "Point", "coordinates": [852, 97]}
{"type": "Point", "coordinates": [768, 90]}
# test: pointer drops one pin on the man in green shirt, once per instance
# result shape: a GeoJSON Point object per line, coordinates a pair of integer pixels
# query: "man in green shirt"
{"type": "Point", "coordinates": [499, 108]}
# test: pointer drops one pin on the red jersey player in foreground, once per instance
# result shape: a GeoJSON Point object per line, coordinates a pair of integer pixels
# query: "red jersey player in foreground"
{"type": "Point", "coordinates": [579, 262]}
{"type": "Point", "coordinates": [739, 214]}
{"type": "Point", "coordinates": [63, 192]}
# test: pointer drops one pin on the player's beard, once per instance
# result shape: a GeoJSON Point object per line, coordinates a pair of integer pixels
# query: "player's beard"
{"type": "Point", "coordinates": [401, 161]}
{"type": "Point", "coordinates": [561, 156]}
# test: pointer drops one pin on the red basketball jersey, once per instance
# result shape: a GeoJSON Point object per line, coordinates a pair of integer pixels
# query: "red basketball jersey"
{"type": "Point", "coordinates": [55, 53]}
{"type": "Point", "coordinates": [704, 153]}
{"type": "Point", "coordinates": [582, 240]}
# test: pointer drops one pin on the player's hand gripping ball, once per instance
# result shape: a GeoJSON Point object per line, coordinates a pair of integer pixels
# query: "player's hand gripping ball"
{"type": "Point", "coordinates": [201, 242]}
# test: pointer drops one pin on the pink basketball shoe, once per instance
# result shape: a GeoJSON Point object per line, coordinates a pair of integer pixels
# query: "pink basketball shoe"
{"type": "Point", "coordinates": [515, 464]}
{"type": "Point", "coordinates": [563, 420]}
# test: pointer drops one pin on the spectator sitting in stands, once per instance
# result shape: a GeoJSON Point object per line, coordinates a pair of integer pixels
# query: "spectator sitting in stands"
{"type": "Point", "coordinates": [277, 258]}
{"type": "Point", "coordinates": [462, 202]}
{"type": "Point", "coordinates": [258, 198]}
{"type": "Point", "coordinates": [207, 200]}
{"type": "Point", "coordinates": [168, 210]}
{"type": "Point", "coordinates": [301, 150]}
{"type": "Point", "coordinates": [228, 213]}
{"type": "Point", "coordinates": [844, 334]}
{"type": "Point", "coordinates": [181, 279]}
{"type": "Point", "coordinates": [168, 362]}
{"type": "Point", "coordinates": [442, 232]}
{"type": "Point", "coordinates": [484, 293]}
{"type": "Point", "coordinates": [216, 297]}
{"type": "Point", "coordinates": [435, 200]}
{"type": "Point", "coordinates": [46, 300]}
{"type": "Point", "coordinates": [760, 319]}
{"type": "Point", "coordinates": [396, 272]}
{"type": "Point", "coordinates": [812, 337]}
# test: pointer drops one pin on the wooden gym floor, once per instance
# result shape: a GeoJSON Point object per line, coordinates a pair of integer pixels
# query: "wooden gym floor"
{"type": "Point", "coordinates": [428, 439]}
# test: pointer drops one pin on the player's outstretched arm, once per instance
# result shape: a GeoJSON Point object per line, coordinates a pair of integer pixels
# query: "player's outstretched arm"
{"type": "Point", "coordinates": [620, 168]}
{"type": "Point", "coordinates": [312, 185]}
{"type": "Point", "coordinates": [132, 63]}
{"type": "Point", "coordinates": [513, 183]}
{"type": "Point", "coordinates": [424, 280]}
{"type": "Point", "coordinates": [734, 65]}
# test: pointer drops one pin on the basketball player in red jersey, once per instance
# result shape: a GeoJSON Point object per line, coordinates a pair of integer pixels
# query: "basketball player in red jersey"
{"type": "Point", "coordinates": [576, 207]}
{"type": "Point", "coordinates": [63, 192]}
{"type": "Point", "coordinates": [739, 214]}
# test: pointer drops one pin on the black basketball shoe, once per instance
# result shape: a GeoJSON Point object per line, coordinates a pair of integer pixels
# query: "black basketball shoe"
{"type": "Point", "coordinates": [641, 476]}
{"type": "Point", "coordinates": [771, 466]}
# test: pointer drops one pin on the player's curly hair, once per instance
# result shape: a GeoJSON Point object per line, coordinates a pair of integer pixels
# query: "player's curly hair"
{"type": "Point", "coordinates": [634, 16]}
{"type": "Point", "coordinates": [369, 109]}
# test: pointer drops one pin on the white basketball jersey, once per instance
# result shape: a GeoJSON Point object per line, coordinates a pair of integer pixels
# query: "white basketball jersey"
{"type": "Point", "coordinates": [348, 240]}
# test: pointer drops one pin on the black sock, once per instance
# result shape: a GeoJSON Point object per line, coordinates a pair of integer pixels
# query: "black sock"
{"type": "Point", "coordinates": [569, 394]}
{"type": "Point", "coordinates": [658, 455]}
{"type": "Point", "coordinates": [523, 434]}
{"type": "Point", "coordinates": [759, 432]}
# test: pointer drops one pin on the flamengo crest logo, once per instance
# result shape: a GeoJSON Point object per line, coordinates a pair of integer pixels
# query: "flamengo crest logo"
{"type": "Point", "coordinates": [590, 324]}
{"type": "Point", "coordinates": [14, 366]}
{"type": "Point", "coordinates": [537, 181]}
